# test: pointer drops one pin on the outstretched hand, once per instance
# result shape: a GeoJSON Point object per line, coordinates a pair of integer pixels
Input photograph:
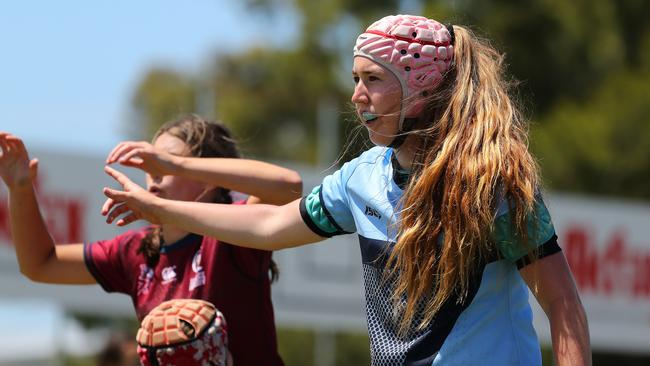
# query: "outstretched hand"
{"type": "Point", "coordinates": [16, 169]}
{"type": "Point", "coordinates": [144, 156]}
{"type": "Point", "coordinates": [132, 203]}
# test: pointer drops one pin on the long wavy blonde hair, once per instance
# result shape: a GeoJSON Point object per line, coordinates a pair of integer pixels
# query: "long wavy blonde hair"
{"type": "Point", "coordinates": [473, 151]}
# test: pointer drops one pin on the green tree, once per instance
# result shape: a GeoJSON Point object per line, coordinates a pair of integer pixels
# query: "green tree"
{"type": "Point", "coordinates": [270, 98]}
{"type": "Point", "coordinates": [559, 49]}
{"type": "Point", "coordinates": [600, 146]}
{"type": "Point", "coordinates": [581, 62]}
{"type": "Point", "coordinates": [160, 96]}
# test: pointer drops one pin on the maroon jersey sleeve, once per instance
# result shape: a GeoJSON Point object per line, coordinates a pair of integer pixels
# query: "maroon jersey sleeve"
{"type": "Point", "coordinates": [108, 261]}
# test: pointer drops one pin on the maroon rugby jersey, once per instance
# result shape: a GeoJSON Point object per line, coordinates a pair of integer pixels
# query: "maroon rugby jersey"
{"type": "Point", "coordinates": [234, 279]}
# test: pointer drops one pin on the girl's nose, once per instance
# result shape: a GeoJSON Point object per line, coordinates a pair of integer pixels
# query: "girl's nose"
{"type": "Point", "coordinates": [360, 95]}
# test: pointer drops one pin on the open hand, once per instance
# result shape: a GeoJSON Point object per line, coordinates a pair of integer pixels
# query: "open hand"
{"type": "Point", "coordinates": [144, 156]}
{"type": "Point", "coordinates": [16, 169]}
{"type": "Point", "coordinates": [132, 203]}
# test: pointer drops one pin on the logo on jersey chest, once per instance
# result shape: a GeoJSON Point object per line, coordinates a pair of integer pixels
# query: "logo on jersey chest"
{"type": "Point", "coordinates": [199, 278]}
{"type": "Point", "coordinates": [145, 278]}
{"type": "Point", "coordinates": [372, 212]}
{"type": "Point", "coordinates": [168, 274]}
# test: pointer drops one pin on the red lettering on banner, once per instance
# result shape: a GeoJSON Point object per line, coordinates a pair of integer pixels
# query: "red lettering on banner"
{"type": "Point", "coordinates": [642, 281]}
{"type": "Point", "coordinates": [75, 221]}
{"type": "Point", "coordinates": [613, 263]}
{"type": "Point", "coordinates": [63, 215]}
{"type": "Point", "coordinates": [615, 268]}
{"type": "Point", "coordinates": [582, 258]}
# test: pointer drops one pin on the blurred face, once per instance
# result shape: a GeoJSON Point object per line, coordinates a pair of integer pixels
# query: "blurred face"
{"type": "Point", "coordinates": [377, 91]}
{"type": "Point", "coordinates": [170, 186]}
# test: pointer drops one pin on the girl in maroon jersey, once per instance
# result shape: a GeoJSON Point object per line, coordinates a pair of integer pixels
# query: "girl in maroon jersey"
{"type": "Point", "coordinates": [190, 159]}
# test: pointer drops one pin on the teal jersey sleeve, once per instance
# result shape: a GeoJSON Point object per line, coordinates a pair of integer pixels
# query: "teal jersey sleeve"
{"type": "Point", "coordinates": [316, 216]}
{"type": "Point", "coordinates": [326, 209]}
{"type": "Point", "coordinates": [539, 230]}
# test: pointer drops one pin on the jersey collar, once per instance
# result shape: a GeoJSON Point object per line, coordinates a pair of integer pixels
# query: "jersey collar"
{"type": "Point", "coordinates": [189, 239]}
{"type": "Point", "coordinates": [400, 175]}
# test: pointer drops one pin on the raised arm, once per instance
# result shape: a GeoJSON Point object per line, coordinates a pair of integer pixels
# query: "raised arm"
{"type": "Point", "coordinates": [261, 226]}
{"type": "Point", "coordinates": [269, 183]}
{"type": "Point", "coordinates": [551, 282]}
{"type": "Point", "coordinates": [38, 257]}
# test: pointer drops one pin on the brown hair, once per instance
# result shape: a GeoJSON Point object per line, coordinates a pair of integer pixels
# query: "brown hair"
{"type": "Point", "coordinates": [205, 139]}
{"type": "Point", "coordinates": [473, 150]}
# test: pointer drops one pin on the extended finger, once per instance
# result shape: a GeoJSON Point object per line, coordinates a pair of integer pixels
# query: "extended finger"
{"type": "Point", "coordinates": [112, 157]}
{"type": "Point", "coordinates": [115, 195]}
{"type": "Point", "coordinates": [33, 168]}
{"type": "Point", "coordinates": [121, 148]}
{"type": "Point", "coordinates": [126, 158]}
{"type": "Point", "coordinates": [4, 146]}
{"type": "Point", "coordinates": [119, 157]}
{"type": "Point", "coordinates": [12, 147]}
{"type": "Point", "coordinates": [131, 145]}
{"type": "Point", "coordinates": [17, 145]}
{"type": "Point", "coordinates": [117, 211]}
{"type": "Point", "coordinates": [3, 137]}
{"type": "Point", "coordinates": [106, 207]}
{"type": "Point", "coordinates": [127, 219]}
{"type": "Point", "coordinates": [6, 140]}
{"type": "Point", "coordinates": [118, 176]}
{"type": "Point", "coordinates": [109, 157]}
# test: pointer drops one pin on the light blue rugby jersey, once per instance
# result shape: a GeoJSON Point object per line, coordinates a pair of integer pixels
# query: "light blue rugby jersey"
{"type": "Point", "coordinates": [492, 327]}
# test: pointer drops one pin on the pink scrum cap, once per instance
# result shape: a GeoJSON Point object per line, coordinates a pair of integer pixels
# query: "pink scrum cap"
{"type": "Point", "coordinates": [416, 49]}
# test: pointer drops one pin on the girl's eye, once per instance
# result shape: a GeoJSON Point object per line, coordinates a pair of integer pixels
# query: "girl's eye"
{"type": "Point", "coordinates": [373, 78]}
{"type": "Point", "coordinates": [356, 79]}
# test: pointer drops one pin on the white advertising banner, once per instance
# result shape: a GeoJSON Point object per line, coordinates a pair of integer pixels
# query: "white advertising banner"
{"type": "Point", "coordinates": [606, 243]}
{"type": "Point", "coordinates": [69, 189]}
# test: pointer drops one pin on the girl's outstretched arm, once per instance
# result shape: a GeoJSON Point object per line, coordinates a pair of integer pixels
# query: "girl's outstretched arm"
{"type": "Point", "coordinates": [260, 226]}
{"type": "Point", "coordinates": [38, 258]}
{"type": "Point", "coordinates": [551, 282]}
{"type": "Point", "coordinates": [268, 182]}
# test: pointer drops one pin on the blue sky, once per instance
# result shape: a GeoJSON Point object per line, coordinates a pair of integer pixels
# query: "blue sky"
{"type": "Point", "coordinates": [69, 68]}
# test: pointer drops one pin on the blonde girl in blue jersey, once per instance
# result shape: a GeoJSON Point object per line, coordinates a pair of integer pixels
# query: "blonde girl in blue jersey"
{"type": "Point", "coordinates": [447, 206]}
